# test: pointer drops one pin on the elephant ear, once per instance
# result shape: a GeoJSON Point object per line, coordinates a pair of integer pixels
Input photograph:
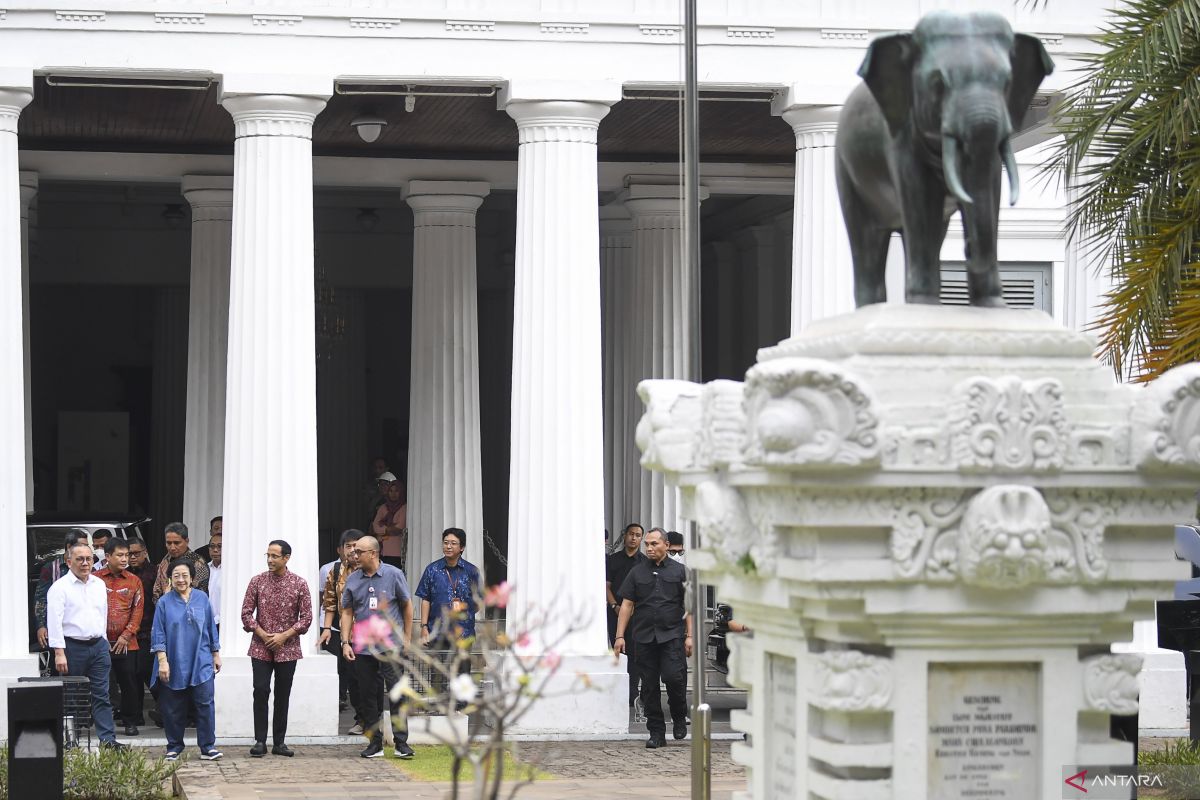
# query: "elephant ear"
{"type": "Point", "coordinates": [887, 71]}
{"type": "Point", "coordinates": [1030, 65]}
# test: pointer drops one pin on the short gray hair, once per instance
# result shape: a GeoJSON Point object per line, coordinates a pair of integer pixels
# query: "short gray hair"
{"type": "Point", "coordinates": [177, 527]}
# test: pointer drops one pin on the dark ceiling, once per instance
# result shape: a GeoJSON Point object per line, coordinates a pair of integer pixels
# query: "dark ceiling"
{"type": "Point", "coordinates": [182, 121]}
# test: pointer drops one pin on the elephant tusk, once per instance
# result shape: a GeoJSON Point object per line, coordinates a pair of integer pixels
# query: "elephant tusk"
{"type": "Point", "coordinates": [1014, 179]}
{"type": "Point", "coordinates": [950, 168]}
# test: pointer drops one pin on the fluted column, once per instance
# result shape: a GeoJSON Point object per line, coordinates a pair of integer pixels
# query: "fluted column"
{"type": "Point", "coordinates": [556, 496]}
{"type": "Point", "coordinates": [1087, 280]}
{"type": "Point", "coordinates": [617, 315]}
{"type": "Point", "coordinates": [270, 480]}
{"type": "Point", "coordinates": [756, 252]}
{"type": "Point", "coordinates": [444, 470]}
{"type": "Point", "coordinates": [822, 274]}
{"type": "Point", "coordinates": [168, 404]}
{"type": "Point", "coordinates": [29, 187]}
{"type": "Point", "coordinates": [667, 341]}
{"type": "Point", "coordinates": [14, 634]}
{"type": "Point", "coordinates": [211, 199]}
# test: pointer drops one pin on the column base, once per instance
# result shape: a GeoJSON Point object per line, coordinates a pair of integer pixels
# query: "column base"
{"type": "Point", "coordinates": [314, 705]}
{"type": "Point", "coordinates": [568, 708]}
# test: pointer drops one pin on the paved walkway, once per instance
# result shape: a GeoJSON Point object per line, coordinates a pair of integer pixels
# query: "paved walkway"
{"type": "Point", "coordinates": [335, 772]}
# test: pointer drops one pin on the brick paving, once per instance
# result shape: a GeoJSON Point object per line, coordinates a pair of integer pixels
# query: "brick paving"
{"type": "Point", "coordinates": [335, 772]}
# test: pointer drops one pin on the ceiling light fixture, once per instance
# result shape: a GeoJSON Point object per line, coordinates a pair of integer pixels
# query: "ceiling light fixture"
{"type": "Point", "coordinates": [368, 126]}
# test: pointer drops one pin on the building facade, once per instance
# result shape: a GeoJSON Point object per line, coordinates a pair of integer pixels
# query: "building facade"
{"type": "Point", "coordinates": [248, 246]}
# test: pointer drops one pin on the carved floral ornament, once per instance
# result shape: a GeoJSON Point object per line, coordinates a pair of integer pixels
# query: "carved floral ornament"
{"type": "Point", "coordinates": [808, 414]}
{"type": "Point", "coordinates": [1166, 422]}
{"type": "Point", "coordinates": [1007, 424]}
{"type": "Point", "coordinates": [1110, 683]}
{"type": "Point", "coordinates": [850, 680]}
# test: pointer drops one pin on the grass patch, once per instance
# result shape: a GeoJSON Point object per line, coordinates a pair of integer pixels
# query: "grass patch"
{"type": "Point", "coordinates": [1177, 752]}
{"type": "Point", "coordinates": [434, 763]}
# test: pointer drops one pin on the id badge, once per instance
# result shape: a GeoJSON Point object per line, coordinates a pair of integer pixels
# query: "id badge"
{"type": "Point", "coordinates": [372, 602]}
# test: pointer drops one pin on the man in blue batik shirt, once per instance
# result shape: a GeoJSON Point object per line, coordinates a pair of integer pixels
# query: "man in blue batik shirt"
{"type": "Point", "coordinates": [449, 591]}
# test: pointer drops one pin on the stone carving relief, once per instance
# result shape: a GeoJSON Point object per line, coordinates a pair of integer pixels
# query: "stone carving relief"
{"type": "Point", "coordinates": [1008, 425]}
{"type": "Point", "coordinates": [666, 433]}
{"type": "Point", "coordinates": [729, 530]}
{"type": "Point", "coordinates": [722, 434]}
{"type": "Point", "coordinates": [1001, 537]}
{"type": "Point", "coordinates": [850, 680]}
{"type": "Point", "coordinates": [1166, 422]}
{"type": "Point", "coordinates": [808, 414]}
{"type": "Point", "coordinates": [1110, 683]}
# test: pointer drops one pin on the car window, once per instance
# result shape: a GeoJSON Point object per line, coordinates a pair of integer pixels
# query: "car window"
{"type": "Point", "coordinates": [47, 541]}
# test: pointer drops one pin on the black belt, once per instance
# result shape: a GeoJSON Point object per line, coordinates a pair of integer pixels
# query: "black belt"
{"type": "Point", "coordinates": [90, 641]}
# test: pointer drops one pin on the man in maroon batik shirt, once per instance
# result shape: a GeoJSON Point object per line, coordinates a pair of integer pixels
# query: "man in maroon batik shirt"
{"type": "Point", "coordinates": [277, 609]}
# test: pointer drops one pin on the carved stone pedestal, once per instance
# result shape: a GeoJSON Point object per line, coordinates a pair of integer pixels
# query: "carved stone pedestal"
{"type": "Point", "coordinates": [936, 521]}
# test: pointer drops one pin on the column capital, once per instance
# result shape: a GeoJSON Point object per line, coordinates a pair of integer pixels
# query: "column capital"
{"type": "Point", "coordinates": [642, 199]}
{"type": "Point", "coordinates": [813, 126]}
{"type": "Point", "coordinates": [287, 115]}
{"type": "Point", "coordinates": [12, 100]}
{"type": "Point", "coordinates": [540, 121]}
{"type": "Point", "coordinates": [615, 221]}
{"type": "Point", "coordinates": [207, 191]}
{"type": "Point", "coordinates": [29, 189]}
{"type": "Point", "coordinates": [446, 196]}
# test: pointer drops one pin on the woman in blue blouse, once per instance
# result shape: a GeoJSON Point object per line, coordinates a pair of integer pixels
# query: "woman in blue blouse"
{"type": "Point", "coordinates": [184, 638]}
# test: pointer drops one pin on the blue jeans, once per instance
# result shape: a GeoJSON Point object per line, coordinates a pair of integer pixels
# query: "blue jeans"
{"type": "Point", "coordinates": [91, 661]}
{"type": "Point", "coordinates": [173, 703]}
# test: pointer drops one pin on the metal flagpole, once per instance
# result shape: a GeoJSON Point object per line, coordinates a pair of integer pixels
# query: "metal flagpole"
{"type": "Point", "coordinates": [701, 713]}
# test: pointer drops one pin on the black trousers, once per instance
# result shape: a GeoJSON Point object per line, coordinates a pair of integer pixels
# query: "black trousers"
{"type": "Point", "coordinates": [665, 661]}
{"type": "Point", "coordinates": [347, 682]}
{"type": "Point", "coordinates": [284, 671]}
{"type": "Point", "coordinates": [125, 675]}
{"type": "Point", "coordinates": [630, 653]}
{"type": "Point", "coordinates": [375, 680]}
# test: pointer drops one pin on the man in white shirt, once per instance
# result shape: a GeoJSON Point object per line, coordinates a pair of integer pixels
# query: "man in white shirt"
{"type": "Point", "coordinates": [77, 621]}
{"type": "Point", "coordinates": [214, 576]}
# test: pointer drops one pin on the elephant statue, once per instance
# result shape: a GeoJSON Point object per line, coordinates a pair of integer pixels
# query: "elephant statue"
{"type": "Point", "coordinates": [925, 133]}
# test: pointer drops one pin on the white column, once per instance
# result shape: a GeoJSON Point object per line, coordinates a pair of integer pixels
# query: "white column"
{"type": "Point", "coordinates": [556, 496]}
{"type": "Point", "coordinates": [14, 634]}
{"type": "Point", "coordinates": [29, 187]}
{"type": "Point", "coordinates": [444, 471]}
{"type": "Point", "coordinates": [211, 199]}
{"type": "Point", "coordinates": [270, 481]}
{"type": "Point", "coordinates": [168, 405]}
{"type": "Point", "coordinates": [822, 273]}
{"type": "Point", "coordinates": [1087, 279]}
{"type": "Point", "coordinates": [667, 341]}
{"type": "Point", "coordinates": [617, 315]}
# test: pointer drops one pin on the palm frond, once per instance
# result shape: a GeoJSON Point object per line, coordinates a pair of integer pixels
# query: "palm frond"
{"type": "Point", "coordinates": [1131, 154]}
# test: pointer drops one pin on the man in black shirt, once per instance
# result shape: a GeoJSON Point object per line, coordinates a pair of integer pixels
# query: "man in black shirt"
{"type": "Point", "coordinates": [653, 595]}
{"type": "Point", "coordinates": [616, 568]}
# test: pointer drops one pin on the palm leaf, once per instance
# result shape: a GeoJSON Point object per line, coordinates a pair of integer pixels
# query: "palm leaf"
{"type": "Point", "coordinates": [1131, 153]}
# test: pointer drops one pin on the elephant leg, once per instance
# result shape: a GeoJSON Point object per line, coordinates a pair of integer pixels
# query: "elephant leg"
{"type": "Point", "coordinates": [869, 248]}
{"type": "Point", "coordinates": [924, 230]}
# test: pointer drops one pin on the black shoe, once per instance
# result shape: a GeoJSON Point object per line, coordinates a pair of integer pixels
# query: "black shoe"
{"type": "Point", "coordinates": [113, 745]}
{"type": "Point", "coordinates": [402, 750]}
{"type": "Point", "coordinates": [680, 729]}
{"type": "Point", "coordinates": [131, 730]}
{"type": "Point", "coordinates": [655, 742]}
{"type": "Point", "coordinates": [375, 748]}
{"type": "Point", "coordinates": [282, 750]}
{"type": "Point", "coordinates": [259, 750]}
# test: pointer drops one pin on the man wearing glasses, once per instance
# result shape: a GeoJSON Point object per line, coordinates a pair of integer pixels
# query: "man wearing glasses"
{"type": "Point", "coordinates": [277, 609]}
{"type": "Point", "coordinates": [77, 619]}
{"type": "Point", "coordinates": [380, 590]}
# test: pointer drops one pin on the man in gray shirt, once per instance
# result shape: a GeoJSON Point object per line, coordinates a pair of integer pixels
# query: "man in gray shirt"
{"type": "Point", "coordinates": [380, 590]}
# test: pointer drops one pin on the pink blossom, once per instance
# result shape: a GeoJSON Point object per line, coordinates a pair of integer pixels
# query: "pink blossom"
{"type": "Point", "coordinates": [551, 660]}
{"type": "Point", "coordinates": [497, 596]}
{"type": "Point", "coordinates": [374, 631]}
{"type": "Point", "coordinates": [524, 640]}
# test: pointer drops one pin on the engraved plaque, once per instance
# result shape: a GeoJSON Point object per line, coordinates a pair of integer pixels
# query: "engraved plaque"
{"type": "Point", "coordinates": [781, 727]}
{"type": "Point", "coordinates": [984, 734]}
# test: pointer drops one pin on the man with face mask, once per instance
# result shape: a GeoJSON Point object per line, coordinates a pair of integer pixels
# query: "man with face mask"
{"type": "Point", "coordinates": [675, 546]}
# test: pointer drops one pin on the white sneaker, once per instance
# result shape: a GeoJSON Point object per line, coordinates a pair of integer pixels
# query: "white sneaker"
{"type": "Point", "coordinates": [356, 729]}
